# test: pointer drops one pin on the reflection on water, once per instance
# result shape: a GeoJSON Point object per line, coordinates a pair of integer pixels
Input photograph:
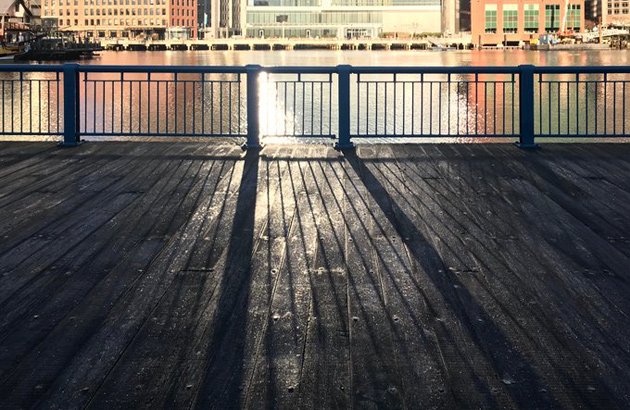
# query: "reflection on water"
{"type": "Point", "coordinates": [457, 105]}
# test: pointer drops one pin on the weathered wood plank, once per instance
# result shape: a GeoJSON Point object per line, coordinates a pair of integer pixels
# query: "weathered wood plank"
{"type": "Point", "coordinates": [399, 276]}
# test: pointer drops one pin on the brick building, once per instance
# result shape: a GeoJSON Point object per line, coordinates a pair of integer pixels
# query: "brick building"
{"type": "Point", "coordinates": [510, 22]}
{"type": "Point", "coordinates": [124, 18]}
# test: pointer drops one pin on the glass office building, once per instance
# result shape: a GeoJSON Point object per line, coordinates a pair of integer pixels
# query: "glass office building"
{"type": "Point", "coordinates": [341, 18]}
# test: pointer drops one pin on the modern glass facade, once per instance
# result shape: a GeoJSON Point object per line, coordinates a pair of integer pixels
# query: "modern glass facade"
{"type": "Point", "coordinates": [341, 18]}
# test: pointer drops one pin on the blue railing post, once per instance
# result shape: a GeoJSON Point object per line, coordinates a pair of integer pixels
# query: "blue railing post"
{"type": "Point", "coordinates": [526, 107]}
{"type": "Point", "coordinates": [253, 115]}
{"type": "Point", "coordinates": [343, 77]}
{"type": "Point", "coordinates": [71, 105]}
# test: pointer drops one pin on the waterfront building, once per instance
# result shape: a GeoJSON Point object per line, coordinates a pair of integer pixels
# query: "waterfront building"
{"type": "Point", "coordinates": [220, 18]}
{"type": "Point", "coordinates": [618, 12]}
{"type": "Point", "coordinates": [349, 18]}
{"type": "Point", "coordinates": [513, 22]}
{"type": "Point", "coordinates": [156, 19]}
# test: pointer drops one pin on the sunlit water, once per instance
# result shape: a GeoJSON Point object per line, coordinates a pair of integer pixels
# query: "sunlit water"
{"type": "Point", "coordinates": [453, 105]}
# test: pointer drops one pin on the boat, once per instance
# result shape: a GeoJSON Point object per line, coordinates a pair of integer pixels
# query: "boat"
{"type": "Point", "coordinates": [8, 52]}
{"type": "Point", "coordinates": [13, 39]}
{"type": "Point", "coordinates": [51, 47]}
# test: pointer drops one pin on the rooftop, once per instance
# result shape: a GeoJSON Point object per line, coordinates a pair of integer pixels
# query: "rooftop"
{"type": "Point", "coordinates": [193, 274]}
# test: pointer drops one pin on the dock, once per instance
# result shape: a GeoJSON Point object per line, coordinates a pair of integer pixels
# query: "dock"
{"type": "Point", "coordinates": [246, 44]}
{"type": "Point", "coordinates": [194, 274]}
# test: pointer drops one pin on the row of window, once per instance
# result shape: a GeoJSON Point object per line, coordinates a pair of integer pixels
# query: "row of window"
{"type": "Point", "coordinates": [128, 22]}
{"type": "Point", "coordinates": [343, 3]}
{"type": "Point", "coordinates": [531, 18]}
{"type": "Point", "coordinates": [110, 12]}
{"type": "Point", "coordinates": [53, 3]}
{"type": "Point", "coordinates": [303, 18]}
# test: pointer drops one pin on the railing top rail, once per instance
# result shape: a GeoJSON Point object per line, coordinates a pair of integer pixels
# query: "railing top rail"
{"type": "Point", "coordinates": [436, 70]}
{"type": "Point", "coordinates": [320, 69]}
{"type": "Point", "coordinates": [581, 70]}
{"type": "Point", "coordinates": [37, 68]}
{"type": "Point", "coordinates": [301, 70]}
{"type": "Point", "coordinates": [162, 69]}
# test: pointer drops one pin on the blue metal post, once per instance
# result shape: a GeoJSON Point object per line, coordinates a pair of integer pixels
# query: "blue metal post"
{"type": "Point", "coordinates": [71, 105]}
{"type": "Point", "coordinates": [253, 115]}
{"type": "Point", "coordinates": [343, 77]}
{"type": "Point", "coordinates": [526, 107]}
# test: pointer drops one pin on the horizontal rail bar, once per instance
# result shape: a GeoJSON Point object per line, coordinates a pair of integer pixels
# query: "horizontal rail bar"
{"type": "Point", "coordinates": [162, 69]}
{"type": "Point", "coordinates": [435, 70]}
{"type": "Point", "coordinates": [31, 68]}
{"type": "Point", "coordinates": [582, 70]}
{"type": "Point", "coordinates": [320, 69]}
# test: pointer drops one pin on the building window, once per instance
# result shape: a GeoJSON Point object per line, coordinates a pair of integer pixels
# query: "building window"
{"type": "Point", "coordinates": [574, 17]}
{"type": "Point", "coordinates": [531, 18]}
{"type": "Point", "coordinates": [491, 18]}
{"type": "Point", "coordinates": [552, 17]}
{"type": "Point", "coordinates": [510, 18]}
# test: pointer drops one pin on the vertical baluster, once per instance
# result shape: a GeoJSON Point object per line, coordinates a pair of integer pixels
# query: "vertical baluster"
{"type": "Point", "coordinates": [30, 105]}
{"type": "Point", "coordinates": [359, 104]}
{"type": "Point", "coordinates": [577, 104]}
{"type": "Point", "coordinates": [293, 122]}
{"type": "Point", "coordinates": [321, 108]}
{"type": "Point", "coordinates": [449, 85]}
{"type": "Point", "coordinates": [185, 103]}
{"type": "Point", "coordinates": [494, 108]}
{"type": "Point", "coordinates": [39, 96]}
{"type": "Point", "coordinates": [395, 100]}
{"type": "Point", "coordinates": [230, 107]}
{"type": "Point", "coordinates": [21, 102]}
{"type": "Point", "coordinates": [148, 102]}
{"type": "Point", "coordinates": [457, 105]}
{"type": "Point", "coordinates": [439, 107]}
{"type": "Point", "coordinates": [212, 108]}
{"type": "Point", "coordinates": [430, 107]}
{"type": "Point", "coordinates": [103, 100]}
{"type": "Point", "coordinates": [404, 103]}
{"type": "Point", "coordinates": [596, 108]}
{"type": "Point", "coordinates": [605, 104]}
{"type": "Point", "coordinates": [122, 100]}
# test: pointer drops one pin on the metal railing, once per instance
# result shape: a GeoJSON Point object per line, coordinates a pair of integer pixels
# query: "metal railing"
{"type": "Point", "coordinates": [32, 100]}
{"type": "Point", "coordinates": [435, 102]}
{"type": "Point", "coordinates": [342, 102]}
{"type": "Point", "coordinates": [581, 102]}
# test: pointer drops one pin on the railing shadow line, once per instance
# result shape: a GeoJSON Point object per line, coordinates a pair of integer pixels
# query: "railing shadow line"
{"type": "Point", "coordinates": [504, 354]}
{"type": "Point", "coordinates": [224, 373]}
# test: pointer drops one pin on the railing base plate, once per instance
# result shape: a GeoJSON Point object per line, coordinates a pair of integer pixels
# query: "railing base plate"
{"type": "Point", "coordinates": [63, 144]}
{"type": "Point", "coordinates": [342, 147]}
{"type": "Point", "coordinates": [527, 146]}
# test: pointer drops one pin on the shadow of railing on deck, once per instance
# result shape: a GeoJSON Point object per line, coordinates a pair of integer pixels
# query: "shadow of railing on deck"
{"type": "Point", "coordinates": [497, 348]}
{"type": "Point", "coordinates": [221, 384]}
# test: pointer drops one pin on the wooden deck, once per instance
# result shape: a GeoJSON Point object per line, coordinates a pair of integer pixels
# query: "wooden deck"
{"type": "Point", "coordinates": [416, 276]}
